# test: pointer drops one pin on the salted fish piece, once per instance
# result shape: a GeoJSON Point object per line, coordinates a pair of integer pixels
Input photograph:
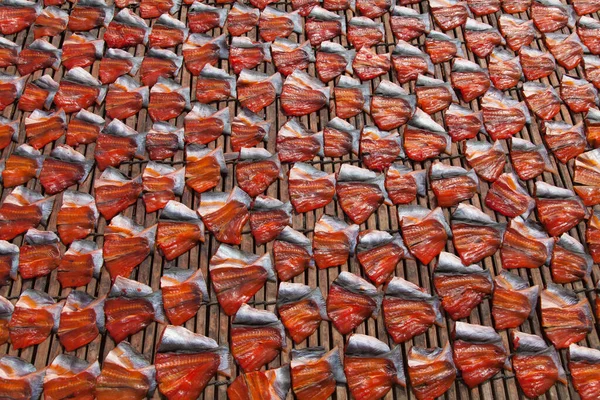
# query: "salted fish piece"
{"type": "Point", "coordinates": [408, 310]}
{"type": "Point", "coordinates": [535, 63]}
{"type": "Point", "coordinates": [351, 300]}
{"type": "Point", "coordinates": [40, 54]}
{"type": "Point", "coordinates": [463, 123]}
{"type": "Point", "coordinates": [340, 138]}
{"type": "Point", "coordinates": [592, 235]}
{"type": "Point", "coordinates": [125, 98]}
{"type": "Point", "coordinates": [89, 14]}
{"type": "Point", "coordinates": [65, 167]}
{"type": "Point", "coordinates": [242, 19]}
{"type": "Point", "coordinates": [332, 59]}
{"type": "Point", "coordinates": [159, 63]}
{"type": "Point", "coordinates": [578, 94]}
{"type": "Point", "coordinates": [503, 116]}
{"type": "Point", "coordinates": [558, 209]}
{"type": "Point", "coordinates": [379, 149]}
{"type": "Point", "coordinates": [36, 315]}
{"type": "Point", "coordinates": [226, 228]}
{"type": "Point", "coordinates": [529, 160]}
{"type": "Point", "coordinates": [22, 210]}
{"type": "Point", "coordinates": [9, 132]}
{"type": "Point", "coordinates": [567, 49]}
{"type": "Point", "coordinates": [351, 97]}
{"type": "Point", "coordinates": [6, 310]}
{"type": "Point", "coordinates": [442, 48]}
{"type": "Point", "coordinates": [339, 5]}
{"type": "Point", "coordinates": [373, 9]}
{"type": "Point", "coordinates": [310, 188]}
{"type": "Point", "coordinates": [290, 56]}
{"type": "Point", "coordinates": [161, 183]}
{"type": "Point", "coordinates": [552, 15]}
{"type": "Point", "coordinates": [469, 78]}
{"type": "Point", "coordinates": [301, 309]}
{"type": "Point", "coordinates": [570, 262]}
{"type": "Point", "coordinates": [565, 318]}
{"type": "Point", "coordinates": [81, 320]}
{"type": "Point", "coordinates": [564, 140]}
{"type": "Point", "coordinates": [257, 90]}
{"type": "Point", "coordinates": [449, 14]}
{"type": "Point", "coordinates": [9, 265]}
{"type": "Point", "coordinates": [391, 106]}
{"type": "Point", "coordinates": [200, 49]}
{"type": "Point", "coordinates": [126, 245]}
{"type": "Point", "coordinates": [516, 32]}
{"type": "Point", "coordinates": [434, 95]}
{"type": "Point", "coordinates": [461, 287]}
{"type": "Point", "coordinates": [204, 124]}
{"type": "Point", "coordinates": [257, 337]}
{"type": "Point", "coordinates": [591, 69]}
{"type": "Point", "coordinates": [117, 62]}
{"type": "Point", "coordinates": [20, 379]}
{"type": "Point", "coordinates": [17, 15]}
{"type": "Point", "coordinates": [127, 29]}
{"type": "Point", "coordinates": [372, 369]}
{"type": "Point", "coordinates": [164, 140]}
{"type": "Point", "coordinates": [295, 143]}
{"type": "Point", "coordinates": [39, 254]}
{"type": "Point", "coordinates": [415, 222]}
{"type": "Point", "coordinates": [272, 384]}
{"type": "Point", "coordinates": [204, 167]}
{"type": "Point", "coordinates": [541, 99]}
{"type": "Point", "coordinates": [292, 254]}
{"type": "Point", "coordinates": [167, 32]}
{"type": "Point", "coordinates": [204, 17]}
{"type": "Point", "coordinates": [583, 365]}
{"type": "Point", "coordinates": [333, 242]}
{"type": "Point", "coordinates": [80, 263]}
{"type": "Point", "coordinates": [77, 217]}
{"type": "Point", "coordinates": [24, 164]}
{"type": "Point", "coordinates": [168, 100]}
{"type": "Point", "coordinates": [78, 90]}
{"type": "Point", "coordinates": [179, 230]}
{"type": "Point", "coordinates": [248, 130]}
{"type": "Point", "coordinates": [368, 65]}
{"type": "Point", "coordinates": [379, 252]}
{"type": "Point", "coordinates": [81, 50]}
{"type": "Point", "coordinates": [525, 245]}
{"type": "Point", "coordinates": [587, 30]}
{"type": "Point", "coordinates": [482, 38]}
{"type": "Point", "coordinates": [409, 61]}
{"type": "Point", "coordinates": [130, 307]}
{"type": "Point", "coordinates": [424, 138]}
{"type": "Point", "coordinates": [52, 21]}
{"type": "Point", "coordinates": [515, 6]}
{"type": "Point", "coordinates": [268, 217]}
{"type": "Point", "coordinates": [274, 23]}
{"type": "Point", "coordinates": [214, 84]}
{"type": "Point", "coordinates": [403, 184]}
{"type": "Point", "coordinates": [68, 375]}
{"type": "Point", "coordinates": [39, 94]}
{"type": "Point", "coordinates": [322, 25]}
{"type": "Point", "coordinates": [407, 24]}
{"type": "Point", "coordinates": [360, 192]}
{"type": "Point", "coordinates": [587, 168]}
{"type": "Point", "coordinates": [452, 184]}
{"type": "Point", "coordinates": [183, 291]}
{"type": "Point", "coordinates": [245, 53]}
{"type": "Point", "coordinates": [44, 127]}
{"type": "Point", "coordinates": [487, 159]}
{"type": "Point", "coordinates": [155, 8]}
{"type": "Point", "coordinates": [475, 235]}
{"type": "Point", "coordinates": [513, 300]}
{"type": "Point", "coordinates": [125, 372]}
{"type": "Point", "coordinates": [364, 32]}
{"type": "Point", "coordinates": [508, 197]}
{"type": "Point", "coordinates": [114, 192]}
{"type": "Point", "coordinates": [237, 275]}
{"type": "Point", "coordinates": [302, 94]}
{"type": "Point", "coordinates": [315, 372]}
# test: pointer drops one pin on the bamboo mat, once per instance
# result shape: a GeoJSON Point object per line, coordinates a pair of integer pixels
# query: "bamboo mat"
{"type": "Point", "coordinates": [211, 321]}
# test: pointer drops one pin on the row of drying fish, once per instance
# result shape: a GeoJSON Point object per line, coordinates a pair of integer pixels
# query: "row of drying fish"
{"type": "Point", "coordinates": [185, 362]}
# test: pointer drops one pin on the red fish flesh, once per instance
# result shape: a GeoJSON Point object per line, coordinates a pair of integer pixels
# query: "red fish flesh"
{"type": "Point", "coordinates": [508, 197]}
{"type": "Point", "coordinates": [516, 32]}
{"type": "Point", "coordinates": [24, 164]}
{"type": "Point", "coordinates": [257, 170]}
{"type": "Point", "coordinates": [257, 337]}
{"type": "Point", "coordinates": [433, 95]}
{"type": "Point", "coordinates": [214, 84]}
{"type": "Point", "coordinates": [81, 50]}
{"type": "Point", "coordinates": [483, 7]}
{"type": "Point", "coordinates": [525, 245]}
{"type": "Point", "coordinates": [51, 22]}
{"type": "Point", "coordinates": [315, 373]}
{"type": "Point", "coordinates": [424, 232]}
{"type": "Point", "coordinates": [529, 160]}
{"type": "Point", "coordinates": [403, 184]}
{"type": "Point", "coordinates": [159, 63]}
{"type": "Point", "coordinates": [130, 307]}
{"type": "Point", "coordinates": [372, 369]}
{"type": "Point", "coordinates": [379, 253]}
{"type": "Point", "coordinates": [503, 116]}
{"type": "Point", "coordinates": [583, 7]}
{"type": "Point", "coordinates": [474, 234]}
{"type": "Point", "coordinates": [39, 255]}
{"type": "Point", "coordinates": [391, 106]}
{"type": "Point", "coordinates": [183, 291]}
{"type": "Point", "coordinates": [479, 353]}
{"type": "Point", "coordinates": [424, 138]}
{"type": "Point", "coordinates": [241, 19]}
{"type": "Point", "coordinates": [351, 300]}
{"type": "Point", "coordinates": [257, 90]}
{"type": "Point", "coordinates": [126, 245]}
{"type": "Point", "coordinates": [481, 38]}
{"type": "Point", "coordinates": [332, 60]}
{"type": "Point", "coordinates": [116, 144]}
{"type": "Point", "coordinates": [268, 218]}
{"type": "Point", "coordinates": [304, 7]}
{"type": "Point", "coordinates": [44, 127]}
{"type": "Point", "coordinates": [204, 167]}
{"type": "Point", "coordinates": [168, 100]}
{"type": "Point", "coordinates": [373, 8]}
{"type": "Point", "coordinates": [550, 16]}
{"type": "Point", "coordinates": [585, 374]}
{"type": "Point", "coordinates": [449, 14]}
{"type": "Point", "coordinates": [368, 64]}
{"type": "Point", "coordinates": [292, 254]}
{"type": "Point", "coordinates": [164, 141]}
{"type": "Point", "coordinates": [179, 230]}
{"type": "Point", "coordinates": [301, 309]}
{"type": "Point", "coordinates": [513, 300]}
{"type": "Point", "coordinates": [81, 319]}
{"type": "Point", "coordinates": [37, 56]}
{"type": "Point", "coordinates": [167, 32]}
{"type": "Point", "coordinates": [23, 209]}
{"type": "Point", "coordinates": [567, 49]}
{"type": "Point", "coordinates": [515, 6]}
{"type": "Point", "coordinates": [442, 48]}
{"type": "Point", "coordinates": [408, 62]}
{"type": "Point", "coordinates": [125, 372]}
{"type": "Point", "coordinates": [565, 318]}
{"type": "Point", "coordinates": [296, 144]}
{"type": "Point", "coordinates": [333, 242]}
{"type": "Point", "coordinates": [379, 149]}
{"type": "Point", "coordinates": [20, 380]}
{"type": "Point", "coordinates": [469, 78]}
{"type": "Point", "coordinates": [270, 384]}
{"type": "Point", "coordinates": [69, 376]}
{"type": "Point", "coordinates": [322, 25]}
{"type": "Point", "coordinates": [33, 319]}
{"type": "Point", "coordinates": [65, 167]}
{"type": "Point", "coordinates": [586, 168]}
{"type": "Point", "coordinates": [309, 188]}
{"type": "Point", "coordinates": [247, 54]}
{"type": "Point", "coordinates": [541, 99]}
{"type": "Point", "coordinates": [340, 138]}
{"type": "Point", "coordinates": [78, 90]}
{"type": "Point", "coordinates": [16, 16]}
{"type": "Point", "coordinates": [360, 192]}
{"type": "Point", "coordinates": [431, 371]}
{"type": "Point", "coordinates": [38, 94]}
{"type": "Point", "coordinates": [237, 276]}
{"type": "Point", "coordinates": [303, 94]}
{"type": "Point", "coordinates": [564, 140]}
{"type": "Point", "coordinates": [248, 130]}
{"type": "Point", "coordinates": [570, 262]}
{"type": "Point", "coordinates": [205, 124]}
{"type": "Point", "coordinates": [79, 264]}
{"type": "Point", "coordinates": [364, 32]}
{"type": "Point", "coordinates": [117, 63]}
{"type": "Point", "coordinates": [461, 287]}
{"type": "Point", "coordinates": [536, 64]}
{"type": "Point", "coordinates": [161, 183]}
{"type": "Point", "coordinates": [289, 56]}
{"type": "Point", "coordinates": [452, 185]}
{"type": "Point", "coordinates": [463, 123]}
{"type": "Point", "coordinates": [558, 209]}
{"type": "Point", "coordinates": [88, 15]}
{"type": "Point", "coordinates": [588, 30]}
{"type": "Point", "coordinates": [202, 18]}
{"type": "Point", "coordinates": [9, 264]}
{"type": "Point", "coordinates": [200, 49]}
{"type": "Point", "coordinates": [407, 24]}
{"type": "Point", "coordinates": [592, 236]}
{"type": "Point", "coordinates": [505, 69]}
{"type": "Point", "coordinates": [126, 30]}
{"type": "Point", "coordinates": [408, 310]}
{"type": "Point", "coordinates": [8, 132]}
{"type": "Point", "coordinates": [275, 24]}
{"type": "Point", "coordinates": [579, 94]}
{"type": "Point", "coordinates": [351, 97]}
